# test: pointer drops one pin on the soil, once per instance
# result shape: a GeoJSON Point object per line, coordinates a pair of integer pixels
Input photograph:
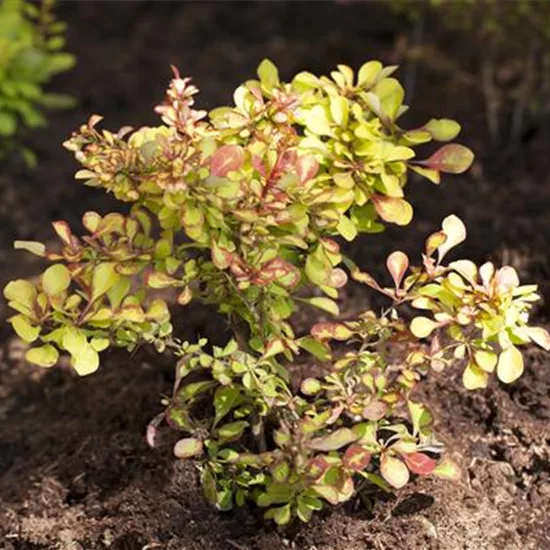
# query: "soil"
{"type": "Point", "coordinates": [75, 470]}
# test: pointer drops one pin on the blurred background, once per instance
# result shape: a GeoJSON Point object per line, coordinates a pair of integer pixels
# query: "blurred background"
{"type": "Point", "coordinates": [484, 63]}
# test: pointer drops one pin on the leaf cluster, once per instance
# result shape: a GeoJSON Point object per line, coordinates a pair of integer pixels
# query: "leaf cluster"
{"type": "Point", "coordinates": [242, 208]}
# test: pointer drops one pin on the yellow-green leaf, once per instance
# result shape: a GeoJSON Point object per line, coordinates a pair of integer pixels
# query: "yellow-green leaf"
{"type": "Point", "coordinates": [104, 278]}
{"type": "Point", "coordinates": [510, 365]}
{"type": "Point", "coordinates": [422, 327]}
{"type": "Point", "coordinates": [474, 378]}
{"type": "Point", "coordinates": [56, 279]}
{"type": "Point", "coordinates": [86, 362]}
{"type": "Point", "coordinates": [44, 356]}
{"type": "Point", "coordinates": [34, 247]}
{"type": "Point", "coordinates": [24, 329]}
{"type": "Point", "coordinates": [21, 291]}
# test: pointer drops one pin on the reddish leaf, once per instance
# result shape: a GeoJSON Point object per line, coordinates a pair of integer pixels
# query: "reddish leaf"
{"type": "Point", "coordinates": [506, 279]}
{"type": "Point", "coordinates": [306, 167]}
{"type": "Point", "coordinates": [356, 458]}
{"type": "Point", "coordinates": [451, 159]}
{"type": "Point", "coordinates": [316, 467]}
{"type": "Point", "coordinates": [227, 159]}
{"type": "Point", "coordinates": [375, 410]}
{"type": "Point", "coordinates": [221, 257]}
{"type": "Point", "coordinates": [397, 264]}
{"type": "Point", "coordinates": [64, 232]}
{"type": "Point", "coordinates": [280, 271]}
{"type": "Point", "coordinates": [152, 429]}
{"type": "Point", "coordinates": [419, 463]}
{"type": "Point", "coordinates": [338, 278]}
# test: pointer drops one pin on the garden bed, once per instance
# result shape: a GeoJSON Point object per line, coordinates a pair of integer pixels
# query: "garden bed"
{"type": "Point", "coordinates": [75, 470]}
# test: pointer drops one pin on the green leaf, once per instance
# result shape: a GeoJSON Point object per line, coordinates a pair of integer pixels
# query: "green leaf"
{"type": "Point", "coordinates": [104, 278]}
{"type": "Point", "coordinates": [74, 341]}
{"type": "Point", "coordinates": [100, 344]}
{"type": "Point", "coordinates": [310, 386]}
{"type": "Point", "coordinates": [390, 94]}
{"type": "Point", "coordinates": [393, 209]}
{"type": "Point", "coordinates": [268, 75]}
{"type": "Point", "coordinates": [44, 356]}
{"type": "Point", "coordinates": [224, 400]}
{"type": "Point", "coordinates": [316, 121]}
{"type": "Point", "coordinates": [346, 228]}
{"type": "Point", "coordinates": [24, 329]}
{"type": "Point", "coordinates": [510, 365]}
{"type": "Point", "coordinates": [331, 331]}
{"type": "Point", "coordinates": [368, 73]}
{"type": "Point", "coordinates": [334, 440]}
{"type": "Point", "coordinates": [34, 247]}
{"type": "Point", "coordinates": [422, 327]}
{"type": "Point", "coordinates": [232, 431]}
{"type": "Point", "coordinates": [474, 378]}
{"type": "Point", "coordinates": [21, 291]}
{"type": "Point", "coordinates": [318, 349]}
{"type": "Point", "coordinates": [447, 469]}
{"type": "Point", "coordinates": [86, 362]}
{"type": "Point", "coordinates": [326, 304]}
{"type": "Point", "coordinates": [56, 280]}
{"type": "Point", "coordinates": [339, 109]}
{"type": "Point", "coordinates": [443, 129]}
{"type": "Point", "coordinates": [280, 515]}
{"type": "Point", "coordinates": [486, 360]}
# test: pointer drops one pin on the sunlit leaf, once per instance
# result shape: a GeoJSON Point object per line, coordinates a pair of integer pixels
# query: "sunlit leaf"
{"type": "Point", "coordinates": [422, 327]}
{"type": "Point", "coordinates": [452, 159]}
{"type": "Point", "coordinates": [443, 129]}
{"type": "Point", "coordinates": [227, 158]}
{"type": "Point", "coordinates": [56, 279]}
{"type": "Point", "coordinates": [328, 331]}
{"type": "Point", "coordinates": [539, 336]}
{"type": "Point", "coordinates": [44, 356]}
{"type": "Point", "coordinates": [34, 247]}
{"type": "Point", "coordinates": [356, 458]}
{"type": "Point", "coordinates": [419, 463]}
{"type": "Point", "coordinates": [397, 264]}
{"type": "Point", "coordinates": [393, 209]}
{"type": "Point", "coordinates": [455, 230]}
{"type": "Point", "coordinates": [510, 365]}
{"type": "Point", "coordinates": [334, 440]}
{"type": "Point", "coordinates": [394, 471]}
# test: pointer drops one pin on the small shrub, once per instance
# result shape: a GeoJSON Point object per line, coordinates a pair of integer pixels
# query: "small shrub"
{"type": "Point", "coordinates": [31, 44]}
{"type": "Point", "coordinates": [247, 203]}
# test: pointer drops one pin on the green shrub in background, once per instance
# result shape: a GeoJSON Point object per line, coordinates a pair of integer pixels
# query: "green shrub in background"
{"type": "Point", "coordinates": [31, 53]}
{"type": "Point", "coordinates": [512, 40]}
{"type": "Point", "coordinates": [241, 209]}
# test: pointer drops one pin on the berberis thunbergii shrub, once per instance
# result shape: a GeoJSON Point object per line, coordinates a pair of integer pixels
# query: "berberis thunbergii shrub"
{"type": "Point", "coordinates": [248, 201]}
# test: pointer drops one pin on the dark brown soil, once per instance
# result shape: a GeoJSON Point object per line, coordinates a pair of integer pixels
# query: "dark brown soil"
{"type": "Point", "coordinates": [75, 471]}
